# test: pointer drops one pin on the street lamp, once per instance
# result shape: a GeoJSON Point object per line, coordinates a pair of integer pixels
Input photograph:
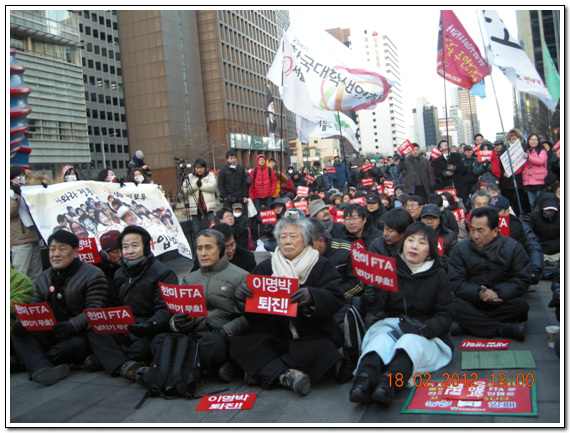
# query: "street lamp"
{"type": "Point", "coordinates": [103, 147]}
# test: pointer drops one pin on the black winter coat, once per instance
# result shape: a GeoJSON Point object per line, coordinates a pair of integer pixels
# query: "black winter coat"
{"type": "Point", "coordinates": [408, 166]}
{"type": "Point", "coordinates": [232, 183]}
{"type": "Point", "coordinates": [142, 293]}
{"type": "Point", "coordinates": [324, 283]}
{"type": "Point", "coordinates": [547, 230]}
{"type": "Point", "coordinates": [379, 246]}
{"type": "Point", "coordinates": [456, 180]}
{"type": "Point", "coordinates": [338, 253]}
{"type": "Point", "coordinates": [368, 236]}
{"type": "Point", "coordinates": [425, 296]}
{"type": "Point", "coordinates": [502, 266]}
{"type": "Point", "coordinates": [244, 259]}
{"type": "Point", "coordinates": [85, 289]}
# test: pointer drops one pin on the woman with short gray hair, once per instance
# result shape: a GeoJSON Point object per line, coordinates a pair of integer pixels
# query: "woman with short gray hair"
{"type": "Point", "coordinates": [294, 351]}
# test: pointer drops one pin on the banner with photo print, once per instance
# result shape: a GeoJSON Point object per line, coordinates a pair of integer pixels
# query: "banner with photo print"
{"type": "Point", "coordinates": [90, 209]}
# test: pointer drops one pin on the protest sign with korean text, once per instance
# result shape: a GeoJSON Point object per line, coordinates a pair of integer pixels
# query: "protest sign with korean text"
{"type": "Point", "coordinates": [380, 189]}
{"type": "Point", "coordinates": [301, 205]}
{"type": "Point", "coordinates": [479, 344]}
{"type": "Point", "coordinates": [368, 182]}
{"type": "Point", "coordinates": [330, 170]}
{"type": "Point", "coordinates": [359, 200]}
{"type": "Point", "coordinates": [110, 320]}
{"type": "Point", "coordinates": [484, 155]}
{"type": "Point", "coordinates": [268, 216]}
{"type": "Point", "coordinates": [227, 402]}
{"type": "Point", "coordinates": [388, 184]}
{"type": "Point", "coordinates": [91, 209]}
{"type": "Point", "coordinates": [366, 167]}
{"type": "Point", "coordinates": [517, 159]}
{"type": "Point", "coordinates": [35, 317]}
{"type": "Point", "coordinates": [322, 195]}
{"type": "Point", "coordinates": [310, 179]}
{"type": "Point", "coordinates": [302, 191]}
{"type": "Point", "coordinates": [452, 191]}
{"type": "Point", "coordinates": [340, 216]}
{"type": "Point", "coordinates": [435, 153]}
{"type": "Point", "coordinates": [373, 268]}
{"type": "Point", "coordinates": [405, 148]}
{"type": "Point", "coordinates": [88, 251]}
{"type": "Point", "coordinates": [556, 147]}
{"type": "Point", "coordinates": [459, 214]}
{"type": "Point", "coordinates": [289, 204]}
{"type": "Point", "coordinates": [440, 246]}
{"type": "Point", "coordinates": [271, 295]}
{"type": "Point", "coordinates": [184, 299]}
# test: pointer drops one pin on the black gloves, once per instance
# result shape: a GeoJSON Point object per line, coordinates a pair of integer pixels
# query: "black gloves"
{"type": "Point", "coordinates": [413, 326]}
{"type": "Point", "coordinates": [369, 294]}
{"type": "Point", "coordinates": [18, 329]}
{"type": "Point", "coordinates": [142, 329]}
{"type": "Point", "coordinates": [243, 292]}
{"type": "Point", "coordinates": [199, 183]}
{"type": "Point", "coordinates": [303, 297]}
{"type": "Point", "coordinates": [62, 330]}
{"type": "Point", "coordinates": [180, 322]}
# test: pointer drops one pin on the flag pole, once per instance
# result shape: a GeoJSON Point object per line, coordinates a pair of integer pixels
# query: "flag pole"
{"type": "Point", "coordinates": [500, 118]}
{"type": "Point", "coordinates": [341, 138]}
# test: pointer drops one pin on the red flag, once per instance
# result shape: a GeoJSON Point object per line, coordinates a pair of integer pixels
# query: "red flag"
{"type": "Point", "coordinates": [464, 64]}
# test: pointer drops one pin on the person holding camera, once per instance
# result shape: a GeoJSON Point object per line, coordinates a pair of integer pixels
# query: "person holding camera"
{"type": "Point", "coordinates": [200, 188]}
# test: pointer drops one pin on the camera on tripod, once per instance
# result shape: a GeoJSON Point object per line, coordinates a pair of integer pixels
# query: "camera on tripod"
{"type": "Point", "coordinates": [181, 165]}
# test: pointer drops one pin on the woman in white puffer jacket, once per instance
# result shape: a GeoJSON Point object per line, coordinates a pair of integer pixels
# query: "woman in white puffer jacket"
{"type": "Point", "coordinates": [200, 190]}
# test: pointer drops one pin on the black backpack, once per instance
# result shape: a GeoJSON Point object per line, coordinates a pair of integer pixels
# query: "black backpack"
{"type": "Point", "coordinates": [175, 369]}
{"type": "Point", "coordinates": [354, 330]}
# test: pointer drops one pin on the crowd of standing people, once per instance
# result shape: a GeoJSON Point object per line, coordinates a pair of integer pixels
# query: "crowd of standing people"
{"type": "Point", "coordinates": [440, 219]}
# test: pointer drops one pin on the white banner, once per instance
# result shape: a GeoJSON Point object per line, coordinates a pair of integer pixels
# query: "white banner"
{"type": "Point", "coordinates": [328, 124]}
{"type": "Point", "coordinates": [89, 209]}
{"type": "Point", "coordinates": [315, 71]}
{"type": "Point", "coordinates": [504, 52]}
{"type": "Point", "coordinates": [517, 158]}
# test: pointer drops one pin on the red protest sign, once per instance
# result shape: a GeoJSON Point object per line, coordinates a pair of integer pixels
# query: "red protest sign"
{"type": "Point", "coordinates": [184, 299]}
{"type": "Point", "coordinates": [440, 246]}
{"type": "Point", "coordinates": [322, 195]}
{"type": "Point", "coordinates": [476, 149]}
{"type": "Point", "coordinates": [88, 251]}
{"type": "Point", "coordinates": [368, 182]}
{"type": "Point", "coordinates": [484, 155]}
{"type": "Point", "coordinates": [227, 402]}
{"type": "Point", "coordinates": [389, 191]}
{"type": "Point", "coordinates": [310, 179]}
{"type": "Point", "coordinates": [110, 320]}
{"type": "Point", "coordinates": [405, 148]}
{"type": "Point", "coordinates": [388, 184]}
{"type": "Point", "coordinates": [504, 225]}
{"type": "Point", "coordinates": [473, 397]}
{"type": "Point", "coordinates": [35, 317]}
{"type": "Point", "coordinates": [271, 295]}
{"type": "Point", "coordinates": [302, 205]}
{"type": "Point", "coordinates": [459, 214]}
{"type": "Point", "coordinates": [212, 224]}
{"type": "Point", "coordinates": [556, 147]}
{"type": "Point", "coordinates": [268, 217]}
{"type": "Point", "coordinates": [340, 216]}
{"type": "Point", "coordinates": [360, 200]}
{"type": "Point", "coordinates": [303, 191]}
{"type": "Point", "coordinates": [476, 344]}
{"type": "Point", "coordinates": [380, 189]}
{"type": "Point", "coordinates": [330, 170]}
{"type": "Point", "coordinates": [451, 191]}
{"type": "Point", "coordinates": [288, 204]}
{"type": "Point", "coordinates": [435, 153]}
{"type": "Point", "coordinates": [366, 167]}
{"type": "Point", "coordinates": [373, 268]}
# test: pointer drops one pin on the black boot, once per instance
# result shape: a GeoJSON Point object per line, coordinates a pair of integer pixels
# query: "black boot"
{"type": "Point", "coordinates": [387, 387]}
{"type": "Point", "coordinates": [361, 391]}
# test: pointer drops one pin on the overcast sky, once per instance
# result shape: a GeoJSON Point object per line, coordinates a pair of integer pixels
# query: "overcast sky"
{"type": "Point", "coordinates": [413, 29]}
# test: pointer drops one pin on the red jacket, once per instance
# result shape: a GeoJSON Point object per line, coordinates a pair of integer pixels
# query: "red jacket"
{"type": "Point", "coordinates": [262, 185]}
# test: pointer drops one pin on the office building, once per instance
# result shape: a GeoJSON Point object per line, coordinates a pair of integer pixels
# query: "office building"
{"type": "Point", "coordinates": [468, 106]}
{"type": "Point", "coordinates": [431, 126]}
{"type": "Point", "coordinates": [48, 46]}
{"type": "Point", "coordinates": [104, 98]}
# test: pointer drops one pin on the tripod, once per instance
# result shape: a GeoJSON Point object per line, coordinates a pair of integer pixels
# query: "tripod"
{"type": "Point", "coordinates": [185, 199]}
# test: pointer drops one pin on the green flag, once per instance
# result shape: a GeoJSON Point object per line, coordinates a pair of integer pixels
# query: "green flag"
{"type": "Point", "coordinates": [551, 76]}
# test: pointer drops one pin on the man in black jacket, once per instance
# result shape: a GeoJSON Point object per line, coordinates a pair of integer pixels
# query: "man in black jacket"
{"type": "Point", "coordinates": [69, 286]}
{"type": "Point", "coordinates": [358, 225]}
{"type": "Point", "coordinates": [396, 221]}
{"type": "Point", "coordinates": [488, 274]}
{"type": "Point", "coordinates": [545, 222]}
{"type": "Point", "coordinates": [418, 174]}
{"type": "Point", "coordinates": [232, 181]}
{"type": "Point", "coordinates": [137, 287]}
{"type": "Point", "coordinates": [319, 210]}
{"type": "Point", "coordinates": [237, 255]}
{"type": "Point", "coordinates": [377, 210]}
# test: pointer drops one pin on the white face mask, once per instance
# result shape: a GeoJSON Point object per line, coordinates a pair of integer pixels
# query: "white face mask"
{"type": "Point", "coordinates": [445, 203]}
{"type": "Point", "coordinates": [70, 178]}
{"type": "Point", "coordinates": [290, 171]}
{"type": "Point", "coordinates": [21, 180]}
{"type": "Point", "coordinates": [237, 214]}
{"type": "Point", "coordinates": [139, 179]}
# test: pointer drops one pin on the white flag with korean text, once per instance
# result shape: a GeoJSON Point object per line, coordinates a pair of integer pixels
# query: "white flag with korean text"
{"type": "Point", "coordinates": [328, 124]}
{"type": "Point", "coordinates": [315, 71]}
{"type": "Point", "coordinates": [504, 52]}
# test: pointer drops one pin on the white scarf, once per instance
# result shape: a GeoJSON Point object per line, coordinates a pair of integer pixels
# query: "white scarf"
{"type": "Point", "coordinates": [300, 267]}
{"type": "Point", "coordinates": [422, 267]}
